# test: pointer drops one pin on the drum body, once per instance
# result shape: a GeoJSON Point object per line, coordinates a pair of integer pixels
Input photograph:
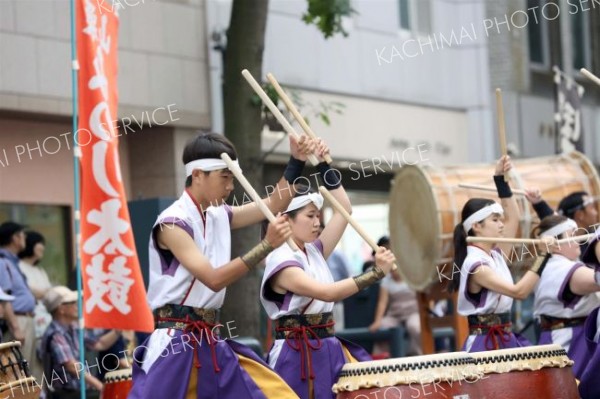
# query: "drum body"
{"type": "Point", "coordinates": [522, 373]}
{"type": "Point", "coordinates": [426, 205]}
{"type": "Point", "coordinates": [15, 380]}
{"type": "Point", "coordinates": [117, 384]}
{"type": "Point", "coordinates": [447, 375]}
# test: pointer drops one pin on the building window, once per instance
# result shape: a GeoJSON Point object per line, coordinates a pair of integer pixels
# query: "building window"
{"type": "Point", "coordinates": [405, 14]}
{"type": "Point", "coordinates": [415, 16]}
{"type": "Point", "coordinates": [580, 40]}
{"type": "Point", "coordinates": [538, 35]}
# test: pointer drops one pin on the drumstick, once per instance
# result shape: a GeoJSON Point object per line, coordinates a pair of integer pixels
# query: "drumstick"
{"type": "Point", "coordinates": [237, 172]}
{"type": "Point", "coordinates": [501, 126]}
{"type": "Point", "coordinates": [358, 228]}
{"type": "Point", "coordinates": [583, 237]}
{"type": "Point", "coordinates": [274, 110]}
{"type": "Point", "coordinates": [515, 240]}
{"type": "Point", "coordinates": [292, 108]}
{"type": "Point", "coordinates": [507, 240]}
{"type": "Point", "coordinates": [488, 188]}
{"type": "Point", "coordinates": [590, 76]}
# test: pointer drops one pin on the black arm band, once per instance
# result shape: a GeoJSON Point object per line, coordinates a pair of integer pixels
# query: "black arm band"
{"type": "Point", "coordinates": [332, 178]}
{"type": "Point", "coordinates": [542, 209]}
{"type": "Point", "coordinates": [539, 263]}
{"type": "Point", "coordinates": [293, 170]}
{"type": "Point", "coordinates": [503, 188]}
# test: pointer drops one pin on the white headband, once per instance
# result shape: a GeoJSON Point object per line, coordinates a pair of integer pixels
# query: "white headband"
{"type": "Point", "coordinates": [206, 165]}
{"type": "Point", "coordinates": [560, 228]}
{"type": "Point", "coordinates": [482, 214]}
{"type": "Point", "coordinates": [304, 200]}
{"type": "Point", "coordinates": [585, 203]}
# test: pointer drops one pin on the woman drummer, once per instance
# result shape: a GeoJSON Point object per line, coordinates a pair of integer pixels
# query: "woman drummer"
{"type": "Point", "coordinates": [562, 300]}
{"type": "Point", "coordinates": [298, 293]}
{"type": "Point", "coordinates": [485, 286]}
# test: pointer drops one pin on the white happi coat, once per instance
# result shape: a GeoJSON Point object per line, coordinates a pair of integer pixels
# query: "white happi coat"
{"type": "Point", "coordinates": [551, 287]}
{"type": "Point", "coordinates": [170, 282]}
{"type": "Point", "coordinates": [313, 263]}
{"type": "Point", "coordinates": [489, 301]}
{"type": "Point", "coordinates": [549, 300]}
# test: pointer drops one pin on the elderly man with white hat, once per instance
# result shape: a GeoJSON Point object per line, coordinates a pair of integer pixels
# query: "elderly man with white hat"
{"type": "Point", "coordinates": [59, 348]}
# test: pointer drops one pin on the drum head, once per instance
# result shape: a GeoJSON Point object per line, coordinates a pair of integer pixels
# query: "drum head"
{"type": "Point", "coordinates": [519, 359]}
{"type": "Point", "coordinates": [414, 226]}
{"type": "Point", "coordinates": [117, 376]}
{"type": "Point", "coordinates": [448, 367]}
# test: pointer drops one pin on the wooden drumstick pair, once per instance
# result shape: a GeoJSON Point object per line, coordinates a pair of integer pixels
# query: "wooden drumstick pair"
{"type": "Point", "coordinates": [276, 112]}
{"type": "Point", "coordinates": [286, 125]}
{"type": "Point", "coordinates": [237, 172]}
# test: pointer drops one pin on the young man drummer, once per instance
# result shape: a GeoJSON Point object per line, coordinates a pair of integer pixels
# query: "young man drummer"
{"type": "Point", "coordinates": [190, 267]}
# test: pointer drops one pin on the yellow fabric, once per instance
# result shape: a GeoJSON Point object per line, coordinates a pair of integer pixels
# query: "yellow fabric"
{"type": "Point", "coordinates": [348, 355]}
{"type": "Point", "coordinates": [192, 385]}
{"type": "Point", "coordinates": [269, 382]}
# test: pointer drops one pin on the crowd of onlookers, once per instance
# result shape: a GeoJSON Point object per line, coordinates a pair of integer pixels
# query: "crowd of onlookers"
{"type": "Point", "coordinates": [43, 318]}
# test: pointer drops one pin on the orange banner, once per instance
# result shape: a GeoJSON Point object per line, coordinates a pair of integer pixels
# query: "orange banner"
{"type": "Point", "coordinates": [114, 293]}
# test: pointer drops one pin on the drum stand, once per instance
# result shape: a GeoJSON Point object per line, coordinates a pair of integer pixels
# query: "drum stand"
{"type": "Point", "coordinates": [433, 326]}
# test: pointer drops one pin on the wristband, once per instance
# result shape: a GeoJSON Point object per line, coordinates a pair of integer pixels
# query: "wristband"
{"type": "Point", "coordinates": [369, 278]}
{"type": "Point", "coordinates": [293, 170]}
{"type": "Point", "coordinates": [257, 254]}
{"type": "Point", "coordinates": [539, 264]}
{"type": "Point", "coordinates": [503, 188]}
{"type": "Point", "coordinates": [542, 209]}
{"type": "Point", "coordinates": [332, 178]}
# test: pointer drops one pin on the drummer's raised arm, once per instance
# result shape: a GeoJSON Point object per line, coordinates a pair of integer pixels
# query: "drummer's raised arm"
{"type": "Point", "coordinates": [507, 200]}
{"type": "Point", "coordinates": [540, 206]}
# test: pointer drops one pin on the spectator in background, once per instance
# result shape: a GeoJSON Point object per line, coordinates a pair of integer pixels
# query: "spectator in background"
{"type": "Point", "coordinates": [19, 313]}
{"type": "Point", "coordinates": [397, 304]}
{"type": "Point", "coordinates": [338, 266]}
{"type": "Point", "coordinates": [37, 279]}
{"type": "Point", "coordinates": [59, 348]}
{"type": "Point", "coordinates": [4, 297]}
